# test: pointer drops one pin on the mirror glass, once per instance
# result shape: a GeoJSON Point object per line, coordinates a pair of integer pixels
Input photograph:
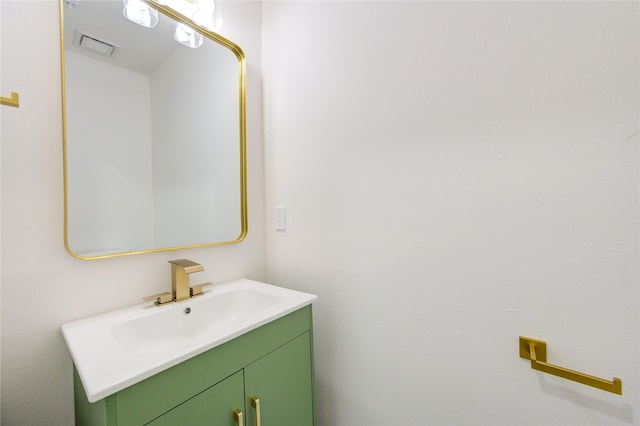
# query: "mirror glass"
{"type": "Point", "coordinates": [154, 132]}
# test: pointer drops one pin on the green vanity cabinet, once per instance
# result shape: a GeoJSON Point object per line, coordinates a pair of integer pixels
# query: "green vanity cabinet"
{"type": "Point", "coordinates": [214, 406]}
{"type": "Point", "coordinates": [281, 381]}
{"type": "Point", "coordinates": [273, 363]}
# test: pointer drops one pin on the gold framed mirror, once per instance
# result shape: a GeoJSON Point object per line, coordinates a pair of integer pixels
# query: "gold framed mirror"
{"type": "Point", "coordinates": [154, 131]}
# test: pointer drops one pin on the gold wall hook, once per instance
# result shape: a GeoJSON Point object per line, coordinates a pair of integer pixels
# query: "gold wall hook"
{"type": "Point", "coordinates": [536, 351]}
{"type": "Point", "coordinates": [13, 101]}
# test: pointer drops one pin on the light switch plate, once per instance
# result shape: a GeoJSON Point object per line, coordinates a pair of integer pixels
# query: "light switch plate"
{"type": "Point", "coordinates": [281, 218]}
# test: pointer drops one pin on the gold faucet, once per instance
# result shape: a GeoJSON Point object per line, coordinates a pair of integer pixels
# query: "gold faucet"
{"type": "Point", "coordinates": [180, 288]}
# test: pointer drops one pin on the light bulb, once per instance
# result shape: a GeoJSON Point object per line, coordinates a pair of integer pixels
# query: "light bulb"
{"type": "Point", "coordinates": [217, 16]}
{"type": "Point", "coordinates": [207, 6]}
{"type": "Point", "coordinates": [184, 7]}
{"type": "Point", "coordinates": [187, 36]}
{"type": "Point", "coordinates": [203, 19]}
{"type": "Point", "coordinates": [138, 12]}
{"type": "Point", "coordinates": [217, 19]}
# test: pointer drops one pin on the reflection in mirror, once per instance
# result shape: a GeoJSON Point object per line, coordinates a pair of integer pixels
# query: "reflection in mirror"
{"type": "Point", "coordinates": [154, 131]}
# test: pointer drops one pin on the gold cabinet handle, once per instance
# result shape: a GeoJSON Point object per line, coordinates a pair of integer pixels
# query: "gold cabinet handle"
{"type": "Point", "coordinates": [237, 416]}
{"type": "Point", "coordinates": [536, 351]}
{"type": "Point", "coordinates": [13, 101]}
{"type": "Point", "coordinates": [255, 403]}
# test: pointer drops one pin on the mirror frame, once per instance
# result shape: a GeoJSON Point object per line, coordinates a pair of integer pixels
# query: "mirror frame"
{"type": "Point", "coordinates": [237, 51]}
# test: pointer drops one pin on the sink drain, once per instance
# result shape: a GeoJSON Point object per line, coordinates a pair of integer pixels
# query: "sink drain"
{"type": "Point", "coordinates": [187, 311]}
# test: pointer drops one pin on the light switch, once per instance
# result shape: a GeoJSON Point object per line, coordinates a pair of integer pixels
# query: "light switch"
{"type": "Point", "coordinates": [281, 218]}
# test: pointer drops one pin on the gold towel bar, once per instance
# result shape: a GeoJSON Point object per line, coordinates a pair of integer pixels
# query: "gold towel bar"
{"type": "Point", "coordinates": [536, 351]}
{"type": "Point", "coordinates": [13, 101]}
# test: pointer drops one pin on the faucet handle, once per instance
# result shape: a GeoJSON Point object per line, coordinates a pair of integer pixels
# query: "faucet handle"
{"type": "Point", "coordinates": [196, 290]}
{"type": "Point", "coordinates": [160, 298]}
{"type": "Point", "coordinates": [189, 266]}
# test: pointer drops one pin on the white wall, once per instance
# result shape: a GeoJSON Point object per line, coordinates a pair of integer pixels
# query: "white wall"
{"type": "Point", "coordinates": [201, 104]}
{"type": "Point", "coordinates": [457, 174]}
{"type": "Point", "coordinates": [109, 128]}
{"type": "Point", "coordinates": [42, 285]}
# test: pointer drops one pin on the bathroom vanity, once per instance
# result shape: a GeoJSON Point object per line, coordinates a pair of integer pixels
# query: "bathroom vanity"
{"type": "Point", "coordinates": [263, 376]}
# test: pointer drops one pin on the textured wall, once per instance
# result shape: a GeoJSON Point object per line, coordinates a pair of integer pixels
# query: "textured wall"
{"type": "Point", "coordinates": [457, 174]}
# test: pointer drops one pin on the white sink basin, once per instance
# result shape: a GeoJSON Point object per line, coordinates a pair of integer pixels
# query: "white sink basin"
{"type": "Point", "coordinates": [117, 349]}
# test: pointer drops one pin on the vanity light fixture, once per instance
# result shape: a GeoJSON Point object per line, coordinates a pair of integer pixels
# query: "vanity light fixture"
{"type": "Point", "coordinates": [187, 36]}
{"type": "Point", "coordinates": [205, 13]}
{"type": "Point", "coordinates": [139, 12]}
{"type": "Point", "coordinates": [202, 12]}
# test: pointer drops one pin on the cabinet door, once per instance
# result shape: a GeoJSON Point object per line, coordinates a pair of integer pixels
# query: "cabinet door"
{"type": "Point", "coordinates": [214, 406]}
{"type": "Point", "coordinates": [283, 381]}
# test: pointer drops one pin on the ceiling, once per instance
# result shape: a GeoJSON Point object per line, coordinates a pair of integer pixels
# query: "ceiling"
{"type": "Point", "coordinates": [104, 20]}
